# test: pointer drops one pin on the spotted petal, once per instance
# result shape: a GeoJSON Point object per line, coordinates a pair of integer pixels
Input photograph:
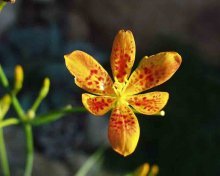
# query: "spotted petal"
{"type": "Point", "coordinates": [123, 55]}
{"type": "Point", "coordinates": [89, 74]}
{"type": "Point", "coordinates": [149, 103]}
{"type": "Point", "coordinates": [153, 71]}
{"type": "Point", "coordinates": [124, 130]}
{"type": "Point", "coordinates": [97, 105]}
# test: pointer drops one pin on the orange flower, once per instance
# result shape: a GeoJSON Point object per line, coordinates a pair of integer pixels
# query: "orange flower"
{"type": "Point", "coordinates": [122, 95]}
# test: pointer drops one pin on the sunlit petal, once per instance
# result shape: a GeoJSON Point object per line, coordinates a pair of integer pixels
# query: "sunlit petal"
{"type": "Point", "coordinates": [89, 74]}
{"type": "Point", "coordinates": [124, 130]}
{"type": "Point", "coordinates": [123, 55]}
{"type": "Point", "coordinates": [149, 103]}
{"type": "Point", "coordinates": [153, 71]}
{"type": "Point", "coordinates": [97, 105]}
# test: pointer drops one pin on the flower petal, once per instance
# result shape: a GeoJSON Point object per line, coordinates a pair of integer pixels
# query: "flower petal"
{"type": "Point", "coordinates": [153, 71]}
{"type": "Point", "coordinates": [123, 55]}
{"type": "Point", "coordinates": [124, 130]}
{"type": "Point", "coordinates": [149, 103]}
{"type": "Point", "coordinates": [97, 105]}
{"type": "Point", "coordinates": [89, 74]}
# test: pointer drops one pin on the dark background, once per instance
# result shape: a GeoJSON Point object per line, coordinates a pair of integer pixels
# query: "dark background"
{"type": "Point", "coordinates": [37, 33]}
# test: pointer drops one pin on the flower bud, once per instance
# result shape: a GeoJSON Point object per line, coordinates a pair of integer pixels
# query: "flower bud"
{"type": "Point", "coordinates": [142, 170]}
{"type": "Point", "coordinates": [30, 114]}
{"type": "Point", "coordinates": [45, 88]}
{"type": "Point", "coordinates": [3, 78]}
{"type": "Point", "coordinates": [154, 170]}
{"type": "Point", "coordinates": [5, 103]}
{"type": "Point", "coordinates": [19, 77]}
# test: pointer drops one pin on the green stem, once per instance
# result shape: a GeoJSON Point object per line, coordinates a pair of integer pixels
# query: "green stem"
{"type": "Point", "coordinates": [29, 149]}
{"type": "Point", "coordinates": [9, 122]}
{"type": "Point", "coordinates": [55, 115]}
{"type": "Point", "coordinates": [18, 107]}
{"type": "Point", "coordinates": [36, 104]}
{"type": "Point", "coordinates": [3, 155]}
{"type": "Point", "coordinates": [42, 94]}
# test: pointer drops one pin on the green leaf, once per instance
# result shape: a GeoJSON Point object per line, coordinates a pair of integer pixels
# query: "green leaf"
{"type": "Point", "coordinates": [2, 4]}
{"type": "Point", "coordinates": [92, 160]}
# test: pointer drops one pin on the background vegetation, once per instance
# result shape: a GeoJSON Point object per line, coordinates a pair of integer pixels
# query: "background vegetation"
{"type": "Point", "coordinates": [37, 33]}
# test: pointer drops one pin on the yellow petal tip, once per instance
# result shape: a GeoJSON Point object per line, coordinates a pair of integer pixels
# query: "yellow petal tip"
{"type": "Point", "coordinates": [176, 56]}
{"type": "Point", "coordinates": [124, 153]}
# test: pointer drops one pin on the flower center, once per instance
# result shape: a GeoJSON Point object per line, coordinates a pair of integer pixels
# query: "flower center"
{"type": "Point", "coordinates": [119, 91]}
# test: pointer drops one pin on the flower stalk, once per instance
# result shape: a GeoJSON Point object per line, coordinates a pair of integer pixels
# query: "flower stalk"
{"type": "Point", "coordinates": [42, 94]}
{"type": "Point", "coordinates": [5, 103]}
{"type": "Point", "coordinates": [17, 106]}
{"type": "Point", "coordinates": [29, 149]}
{"type": "Point", "coordinates": [3, 155]}
{"type": "Point", "coordinates": [9, 122]}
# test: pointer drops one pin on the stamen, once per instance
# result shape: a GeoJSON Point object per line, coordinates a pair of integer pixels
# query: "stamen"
{"type": "Point", "coordinates": [125, 84]}
{"type": "Point", "coordinates": [160, 113]}
{"type": "Point", "coordinates": [115, 89]}
{"type": "Point", "coordinates": [118, 87]}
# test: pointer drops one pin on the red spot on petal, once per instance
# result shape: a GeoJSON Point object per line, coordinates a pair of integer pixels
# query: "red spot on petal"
{"type": "Point", "coordinates": [100, 78]}
{"type": "Point", "coordinates": [109, 100]}
{"type": "Point", "coordinates": [147, 70]}
{"type": "Point", "coordinates": [141, 76]}
{"type": "Point", "coordinates": [150, 78]}
{"type": "Point", "coordinates": [126, 55]}
{"type": "Point", "coordinates": [97, 104]}
{"type": "Point", "coordinates": [119, 122]}
{"type": "Point", "coordinates": [116, 49]}
{"type": "Point", "coordinates": [137, 103]}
